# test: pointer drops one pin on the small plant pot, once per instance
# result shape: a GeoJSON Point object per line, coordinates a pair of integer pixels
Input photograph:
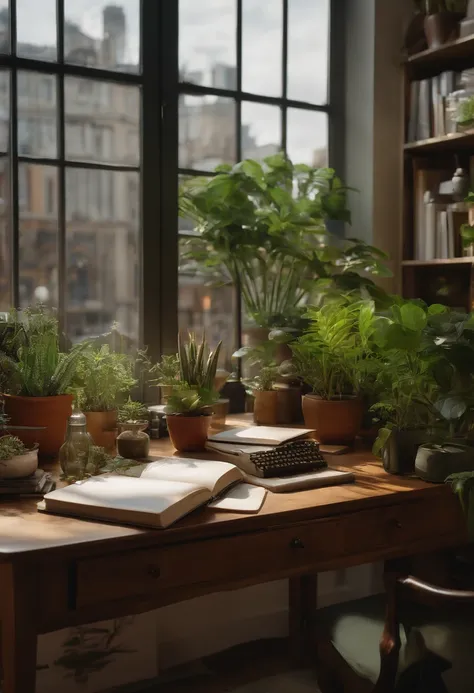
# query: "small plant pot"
{"type": "Point", "coordinates": [436, 462]}
{"type": "Point", "coordinates": [51, 413]}
{"type": "Point", "coordinates": [336, 421]}
{"type": "Point", "coordinates": [399, 452]}
{"type": "Point", "coordinates": [102, 427]}
{"type": "Point", "coordinates": [441, 28]}
{"type": "Point", "coordinates": [188, 433]}
{"type": "Point", "coordinates": [289, 405]}
{"type": "Point", "coordinates": [265, 408]}
{"type": "Point", "coordinates": [20, 466]}
{"type": "Point", "coordinates": [219, 414]}
{"type": "Point", "coordinates": [132, 442]}
{"type": "Point", "coordinates": [165, 392]}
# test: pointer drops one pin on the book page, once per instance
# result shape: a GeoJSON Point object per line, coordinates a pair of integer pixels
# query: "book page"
{"type": "Point", "coordinates": [260, 435]}
{"type": "Point", "coordinates": [243, 498]}
{"type": "Point", "coordinates": [211, 474]}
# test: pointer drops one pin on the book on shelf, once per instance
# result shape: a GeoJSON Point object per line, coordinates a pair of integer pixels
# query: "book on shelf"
{"type": "Point", "coordinates": [428, 115]}
{"type": "Point", "coordinates": [154, 495]}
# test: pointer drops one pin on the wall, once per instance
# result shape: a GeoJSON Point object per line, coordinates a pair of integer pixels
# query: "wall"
{"type": "Point", "coordinates": [374, 121]}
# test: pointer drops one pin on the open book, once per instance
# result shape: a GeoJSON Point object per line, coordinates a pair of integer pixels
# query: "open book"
{"type": "Point", "coordinates": [258, 435]}
{"type": "Point", "coordinates": [153, 495]}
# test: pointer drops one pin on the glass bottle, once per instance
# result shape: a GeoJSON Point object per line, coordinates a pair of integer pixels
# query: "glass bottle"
{"type": "Point", "coordinates": [75, 451]}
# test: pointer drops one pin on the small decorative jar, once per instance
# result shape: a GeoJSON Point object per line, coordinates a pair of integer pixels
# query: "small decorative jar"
{"type": "Point", "coordinates": [133, 443]}
{"type": "Point", "coordinates": [75, 451]}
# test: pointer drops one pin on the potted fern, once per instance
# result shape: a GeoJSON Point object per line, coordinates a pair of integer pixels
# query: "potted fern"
{"type": "Point", "coordinates": [335, 358]}
{"type": "Point", "coordinates": [103, 377]}
{"type": "Point", "coordinates": [36, 377]}
{"type": "Point", "coordinates": [191, 399]}
{"type": "Point", "coordinates": [16, 460]}
{"type": "Point", "coordinates": [133, 442]}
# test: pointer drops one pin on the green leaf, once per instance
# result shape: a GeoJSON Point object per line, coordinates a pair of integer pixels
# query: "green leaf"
{"type": "Point", "coordinates": [381, 441]}
{"type": "Point", "coordinates": [437, 309]}
{"type": "Point", "coordinates": [451, 408]}
{"type": "Point", "coordinates": [413, 317]}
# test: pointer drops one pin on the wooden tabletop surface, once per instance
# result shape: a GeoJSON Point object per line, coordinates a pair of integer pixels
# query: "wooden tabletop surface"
{"type": "Point", "coordinates": [24, 530]}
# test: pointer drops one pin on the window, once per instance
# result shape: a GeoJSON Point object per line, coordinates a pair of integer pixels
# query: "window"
{"type": "Point", "coordinates": [103, 106]}
{"type": "Point", "coordinates": [253, 82]}
{"type": "Point", "coordinates": [73, 98]}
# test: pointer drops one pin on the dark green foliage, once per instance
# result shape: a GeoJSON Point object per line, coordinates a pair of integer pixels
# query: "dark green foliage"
{"type": "Point", "coordinates": [10, 446]}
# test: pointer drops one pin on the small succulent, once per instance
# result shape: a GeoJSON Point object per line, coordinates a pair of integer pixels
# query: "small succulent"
{"type": "Point", "coordinates": [10, 446]}
{"type": "Point", "coordinates": [132, 412]}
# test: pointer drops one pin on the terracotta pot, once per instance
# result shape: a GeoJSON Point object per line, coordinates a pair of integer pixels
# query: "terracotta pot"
{"type": "Point", "coordinates": [289, 405]}
{"type": "Point", "coordinates": [188, 433]}
{"type": "Point", "coordinates": [335, 421]}
{"type": "Point", "coordinates": [265, 407]}
{"type": "Point", "coordinates": [20, 466]}
{"type": "Point", "coordinates": [132, 442]}
{"type": "Point", "coordinates": [441, 28]}
{"type": "Point", "coordinates": [219, 414]}
{"type": "Point", "coordinates": [50, 412]}
{"type": "Point", "coordinates": [102, 427]}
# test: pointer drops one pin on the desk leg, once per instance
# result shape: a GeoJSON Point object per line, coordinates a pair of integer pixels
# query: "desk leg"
{"type": "Point", "coordinates": [18, 628]}
{"type": "Point", "coordinates": [303, 596]}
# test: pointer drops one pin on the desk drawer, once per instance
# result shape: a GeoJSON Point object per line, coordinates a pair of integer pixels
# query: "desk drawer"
{"type": "Point", "coordinates": [353, 537]}
{"type": "Point", "coordinates": [261, 554]}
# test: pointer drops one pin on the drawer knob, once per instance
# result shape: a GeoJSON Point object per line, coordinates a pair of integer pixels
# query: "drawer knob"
{"type": "Point", "coordinates": [153, 571]}
{"type": "Point", "coordinates": [296, 544]}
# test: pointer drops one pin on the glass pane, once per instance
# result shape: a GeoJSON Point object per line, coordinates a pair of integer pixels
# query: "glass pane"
{"type": "Point", "coordinates": [37, 116]}
{"type": "Point", "coordinates": [207, 42]}
{"type": "Point", "coordinates": [4, 26]}
{"type": "Point", "coordinates": [308, 48]}
{"type": "Point", "coordinates": [102, 121]}
{"type": "Point", "coordinates": [307, 137]}
{"type": "Point", "coordinates": [38, 203]}
{"type": "Point", "coordinates": [104, 34]}
{"type": "Point", "coordinates": [261, 130]}
{"type": "Point", "coordinates": [205, 306]}
{"type": "Point", "coordinates": [6, 298]}
{"type": "Point", "coordinates": [103, 253]}
{"type": "Point", "coordinates": [4, 111]}
{"type": "Point", "coordinates": [207, 133]}
{"type": "Point", "coordinates": [262, 47]}
{"type": "Point", "coordinates": [36, 29]}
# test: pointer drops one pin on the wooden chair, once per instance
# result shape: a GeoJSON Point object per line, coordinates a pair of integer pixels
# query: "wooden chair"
{"type": "Point", "coordinates": [427, 642]}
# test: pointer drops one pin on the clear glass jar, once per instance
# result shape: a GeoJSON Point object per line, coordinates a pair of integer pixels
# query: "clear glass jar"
{"type": "Point", "coordinates": [75, 451]}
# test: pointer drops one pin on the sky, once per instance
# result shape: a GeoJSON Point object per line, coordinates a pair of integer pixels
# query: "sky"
{"type": "Point", "coordinates": [207, 35]}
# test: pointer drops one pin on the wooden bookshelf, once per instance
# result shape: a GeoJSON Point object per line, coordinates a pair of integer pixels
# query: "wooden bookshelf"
{"type": "Point", "coordinates": [457, 54]}
{"type": "Point", "coordinates": [449, 281]}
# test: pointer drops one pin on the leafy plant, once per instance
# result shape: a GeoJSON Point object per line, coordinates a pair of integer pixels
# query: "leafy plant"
{"type": "Point", "coordinates": [193, 391]}
{"type": "Point", "coordinates": [166, 372]}
{"type": "Point", "coordinates": [262, 356]}
{"type": "Point", "coordinates": [31, 362]}
{"type": "Point", "coordinates": [132, 412]}
{"type": "Point", "coordinates": [465, 112]}
{"type": "Point", "coordinates": [335, 356]}
{"type": "Point", "coordinates": [463, 486]}
{"type": "Point", "coordinates": [10, 446]}
{"type": "Point", "coordinates": [263, 227]}
{"type": "Point", "coordinates": [102, 377]}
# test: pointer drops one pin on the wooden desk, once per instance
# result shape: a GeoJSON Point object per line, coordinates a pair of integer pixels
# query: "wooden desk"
{"type": "Point", "coordinates": [57, 572]}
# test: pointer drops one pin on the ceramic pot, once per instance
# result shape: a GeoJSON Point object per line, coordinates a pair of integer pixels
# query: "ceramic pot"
{"type": "Point", "coordinates": [219, 414]}
{"type": "Point", "coordinates": [132, 442]}
{"type": "Point", "coordinates": [188, 433]}
{"type": "Point", "coordinates": [265, 407]}
{"type": "Point", "coordinates": [441, 28]}
{"type": "Point", "coordinates": [289, 405]}
{"type": "Point", "coordinates": [51, 413]}
{"type": "Point", "coordinates": [336, 421]}
{"type": "Point", "coordinates": [20, 466]}
{"type": "Point", "coordinates": [436, 462]}
{"type": "Point", "coordinates": [399, 453]}
{"type": "Point", "coordinates": [102, 427]}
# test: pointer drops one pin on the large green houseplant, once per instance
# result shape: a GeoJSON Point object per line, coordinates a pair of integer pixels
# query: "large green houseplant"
{"type": "Point", "coordinates": [192, 396]}
{"type": "Point", "coordinates": [36, 377]}
{"type": "Point", "coordinates": [264, 228]}
{"type": "Point", "coordinates": [103, 379]}
{"type": "Point", "coordinates": [335, 357]}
